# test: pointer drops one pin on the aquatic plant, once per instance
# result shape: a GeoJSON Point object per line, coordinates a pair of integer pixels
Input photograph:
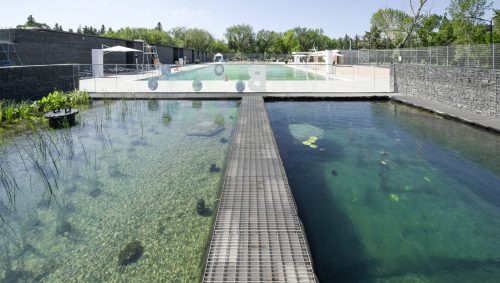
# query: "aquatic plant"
{"type": "Point", "coordinates": [13, 112]}
{"type": "Point", "coordinates": [394, 197]}
{"type": "Point", "coordinates": [10, 112]}
{"type": "Point", "coordinates": [55, 100]}
{"type": "Point", "coordinates": [166, 118]}
{"type": "Point", "coordinates": [311, 142]}
{"type": "Point", "coordinates": [219, 119]}
{"type": "Point", "coordinates": [197, 104]}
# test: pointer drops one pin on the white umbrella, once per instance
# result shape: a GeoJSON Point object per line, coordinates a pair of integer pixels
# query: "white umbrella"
{"type": "Point", "coordinates": [119, 49]}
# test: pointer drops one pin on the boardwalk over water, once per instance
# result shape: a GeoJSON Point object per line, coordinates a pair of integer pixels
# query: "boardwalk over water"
{"type": "Point", "coordinates": [257, 236]}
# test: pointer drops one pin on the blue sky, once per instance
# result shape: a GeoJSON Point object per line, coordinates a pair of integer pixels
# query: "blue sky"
{"type": "Point", "coordinates": [337, 18]}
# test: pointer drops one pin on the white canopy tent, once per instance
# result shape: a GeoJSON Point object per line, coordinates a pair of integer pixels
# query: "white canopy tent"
{"type": "Point", "coordinates": [118, 49]}
{"type": "Point", "coordinates": [218, 55]}
{"type": "Point", "coordinates": [98, 58]}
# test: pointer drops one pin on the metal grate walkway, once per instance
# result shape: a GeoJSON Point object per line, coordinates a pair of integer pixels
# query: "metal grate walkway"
{"type": "Point", "coordinates": [258, 236]}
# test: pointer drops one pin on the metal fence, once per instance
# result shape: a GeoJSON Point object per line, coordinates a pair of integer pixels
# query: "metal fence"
{"type": "Point", "coordinates": [470, 56]}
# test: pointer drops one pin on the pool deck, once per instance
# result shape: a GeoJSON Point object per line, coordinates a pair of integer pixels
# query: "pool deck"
{"type": "Point", "coordinates": [467, 116]}
{"type": "Point", "coordinates": [257, 236]}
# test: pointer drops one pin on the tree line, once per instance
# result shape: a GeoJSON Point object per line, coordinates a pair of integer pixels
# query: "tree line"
{"type": "Point", "coordinates": [462, 23]}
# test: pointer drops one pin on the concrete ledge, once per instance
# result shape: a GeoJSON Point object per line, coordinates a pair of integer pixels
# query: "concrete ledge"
{"type": "Point", "coordinates": [469, 117]}
{"type": "Point", "coordinates": [233, 95]}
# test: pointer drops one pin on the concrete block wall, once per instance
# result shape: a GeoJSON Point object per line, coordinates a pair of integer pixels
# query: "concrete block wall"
{"type": "Point", "coordinates": [473, 89]}
{"type": "Point", "coordinates": [43, 47]}
{"type": "Point", "coordinates": [33, 82]}
{"type": "Point", "coordinates": [38, 47]}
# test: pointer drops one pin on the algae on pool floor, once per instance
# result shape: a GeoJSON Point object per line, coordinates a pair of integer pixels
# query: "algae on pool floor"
{"type": "Point", "coordinates": [122, 176]}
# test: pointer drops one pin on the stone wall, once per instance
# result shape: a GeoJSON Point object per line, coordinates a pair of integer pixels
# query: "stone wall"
{"type": "Point", "coordinates": [477, 90]}
{"type": "Point", "coordinates": [33, 82]}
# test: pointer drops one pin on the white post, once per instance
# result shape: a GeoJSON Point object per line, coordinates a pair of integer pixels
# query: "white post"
{"type": "Point", "coordinates": [447, 54]}
{"type": "Point", "coordinates": [493, 54]}
{"type": "Point", "coordinates": [97, 63]}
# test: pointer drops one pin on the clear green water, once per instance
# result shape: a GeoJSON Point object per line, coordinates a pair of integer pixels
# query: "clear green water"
{"type": "Point", "coordinates": [240, 72]}
{"type": "Point", "coordinates": [393, 194]}
{"type": "Point", "coordinates": [128, 172]}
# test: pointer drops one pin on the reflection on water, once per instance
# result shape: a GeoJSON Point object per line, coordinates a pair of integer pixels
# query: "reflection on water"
{"type": "Point", "coordinates": [115, 197]}
{"type": "Point", "coordinates": [394, 194]}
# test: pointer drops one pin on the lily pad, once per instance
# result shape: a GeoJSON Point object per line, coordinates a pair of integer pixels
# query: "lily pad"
{"type": "Point", "coordinates": [303, 132]}
{"type": "Point", "coordinates": [394, 197]}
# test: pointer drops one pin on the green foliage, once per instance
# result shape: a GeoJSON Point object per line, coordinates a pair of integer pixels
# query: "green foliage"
{"type": "Point", "coordinates": [151, 36]}
{"type": "Point", "coordinates": [55, 100]}
{"type": "Point", "coordinates": [32, 23]}
{"type": "Point", "coordinates": [11, 112]}
{"type": "Point", "coordinates": [240, 37]}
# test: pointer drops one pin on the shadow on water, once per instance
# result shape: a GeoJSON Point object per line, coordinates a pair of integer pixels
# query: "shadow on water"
{"type": "Point", "coordinates": [336, 249]}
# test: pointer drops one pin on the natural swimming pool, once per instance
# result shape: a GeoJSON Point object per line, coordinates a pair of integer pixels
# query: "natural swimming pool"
{"type": "Point", "coordinates": [390, 193]}
{"type": "Point", "coordinates": [274, 72]}
{"type": "Point", "coordinates": [115, 198]}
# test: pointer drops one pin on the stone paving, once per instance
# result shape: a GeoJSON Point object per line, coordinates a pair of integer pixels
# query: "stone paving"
{"type": "Point", "coordinates": [467, 116]}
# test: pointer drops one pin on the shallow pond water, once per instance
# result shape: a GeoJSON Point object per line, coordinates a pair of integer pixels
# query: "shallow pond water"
{"type": "Point", "coordinates": [114, 198]}
{"type": "Point", "coordinates": [388, 193]}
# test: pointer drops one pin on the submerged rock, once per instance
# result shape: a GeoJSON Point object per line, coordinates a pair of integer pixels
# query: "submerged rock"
{"type": "Point", "coordinates": [63, 228]}
{"type": "Point", "coordinates": [95, 192]}
{"type": "Point", "coordinates": [335, 173]}
{"type": "Point", "coordinates": [200, 207]}
{"type": "Point", "coordinates": [214, 168]}
{"type": "Point", "coordinates": [223, 140]}
{"type": "Point", "coordinates": [130, 253]}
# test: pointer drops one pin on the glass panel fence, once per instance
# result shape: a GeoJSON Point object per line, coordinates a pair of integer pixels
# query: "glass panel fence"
{"type": "Point", "coordinates": [234, 77]}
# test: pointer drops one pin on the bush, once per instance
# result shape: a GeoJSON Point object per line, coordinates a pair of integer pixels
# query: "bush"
{"type": "Point", "coordinates": [25, 110]}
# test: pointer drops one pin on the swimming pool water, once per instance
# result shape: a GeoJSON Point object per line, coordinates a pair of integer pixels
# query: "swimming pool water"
{"type": "Point", "coordinates": [391, 193]}
{"type": "Point", "coordinates": [128, 173]}
{"type": "Point", "coordinates": [240, 72]}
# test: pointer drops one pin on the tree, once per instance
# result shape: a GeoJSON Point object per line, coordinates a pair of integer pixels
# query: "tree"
{"type": "Point", "coordinates": [240, 37]}
{"type": "Point", "coordinates": [496, 26]}
{"type": "Point", "coordinates": [79, 29]}
{"type": "Point", "coordinates": [465, 15]}
{"type": "Point", "coordinates": [58, 27]}
{"type": "Point", "coordinates": [198, 39]}
{"type": "Point", "coordinates": [394, 24]}
{"type": "Point", "coordinates": [178, 35]}
{"type": "Point", "coordinates": [427, 31]}
{"type": "Point", "coordinates": [151, 36]}
{"type": "Point", "coordinates": [32, 23]}
{"type": "Point", "coordinates": [103, 30]}
{"type": "Point", "coordinates": [159, 27]}
{"type": "Point", "coordinates": [70, 30]}
{"type": "Point", "coordinates": [290, 42]}
{"type": "Point", "coordinates": [416, 17]}
{"type": "Point", "coordinates": [219, 46]}
{"type": "Point", "coordinates": [372, 38]}
{"type": "Point", "coordinates": [265, 42]}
